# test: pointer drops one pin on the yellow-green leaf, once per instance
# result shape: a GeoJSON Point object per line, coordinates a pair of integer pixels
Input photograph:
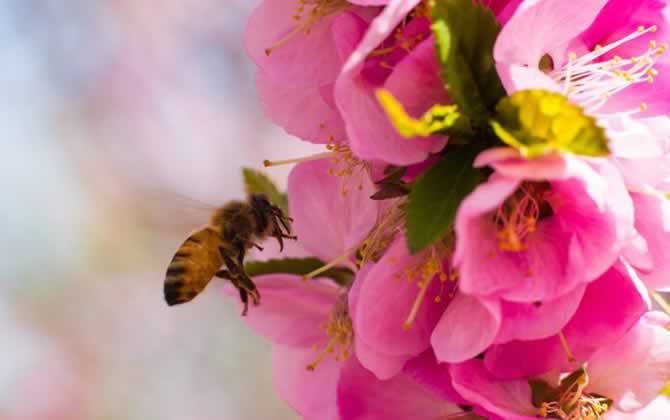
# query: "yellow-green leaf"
{"type": "Point", "coordinates": [537, 122]}
{"type": "Point", "coordinates": [257, 182]}
{"type": "Point", "coordinates": [437, 119]}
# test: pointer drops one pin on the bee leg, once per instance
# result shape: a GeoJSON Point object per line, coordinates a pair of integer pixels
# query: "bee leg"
{"type": "Point", "coordinates": [242, 280]}
{"type": "Point", "coordinates": [258, 247]}
{"type": "Point", "coordinates": [277, 234]}
{"type": "Point", "coordinates": [224, 274]}
{"type": "Point", "coordinates": [244, 297]}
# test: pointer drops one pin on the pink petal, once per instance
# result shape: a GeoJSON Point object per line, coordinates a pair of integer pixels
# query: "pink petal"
{"type": "Point", "coordinates": [466, 329]}
{"type": "Point", "coordinates": [291, 310]}
{"type": "Point", "coordinates": [383, 366]}
{"type": "Point", "coordinates": [302, 112]}
{"type": "Point", "coordinates": [610, 306]}
{"type": "Point", "coordinates": [311, 393]}
{"type": "Point", "coordinates": [385, 302]}
{"type": "Point", "coordinates": [543, 27]}
{"type": "Point", "coordinates": [652, 221]}
{"type": "Point", "coordinates": [361, 396]}
{"type": "Point", "coordinates": [516, 77]}
{"type": "Point", "coordinates": [534, 321]}
{"type": "Point", "coordinates": [306, 60]}
{"type": "Point", "coordinates": [371, 136]}
{"type": "Point", "coordinates": [657, 409]}
{"type": "Point", "coordinates": [381, 27]}
{"type": "Point", "coordinates": [510, 399]}
{"type": "Point", "coordinates": [434, 376]}
{"type": "Point", "coordinates": [635, 369]}
{"type": "Point", "coordinates": [654, 95]}
{"type": "Point", "coordinates": [317, 196]}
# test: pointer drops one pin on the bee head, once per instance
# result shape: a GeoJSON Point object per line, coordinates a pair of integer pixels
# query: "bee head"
{"type": "Point", "coordinates": [260, 202]}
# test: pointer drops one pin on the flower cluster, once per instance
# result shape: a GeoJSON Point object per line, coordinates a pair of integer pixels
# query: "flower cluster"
{"type": "Point", "coordinates": [490, 219]}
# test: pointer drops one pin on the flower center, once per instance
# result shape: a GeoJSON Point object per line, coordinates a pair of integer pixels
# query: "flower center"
{"type": "Point", "coordinates": [307, 14]}
{"type": "Point", "coordinates": [574, 404]}
{"type": "Point", "coordinates": [590, 81]}
{"type": "Point", "coordinates": [429, 268]}
{"type": "Point", "coordinates": [340, 332]}
{"type": "Point", "coordinates": [516, 219]}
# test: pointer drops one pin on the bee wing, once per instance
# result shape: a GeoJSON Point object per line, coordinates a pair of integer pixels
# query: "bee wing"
{"type": "Point", "coordinates": [194, 264]}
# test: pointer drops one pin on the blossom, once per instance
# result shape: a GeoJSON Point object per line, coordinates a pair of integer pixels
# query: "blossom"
{"type": "Point", "coordinates": [299, 48]}
{"type": "Point", "coordinates": [395, 304]}
{"type": "Point", "coordinates": [537, 229]}
{"type": "Point", "coordinates": [362, 396]}
{"type": "Point", "coordinates": [601, 56]}
{"type": "Point", "coordinates": [610, 306]}
{"type": "Point", "coordinates": [624, 376]}
{"type": "Point", "coordinates": [397, 54]}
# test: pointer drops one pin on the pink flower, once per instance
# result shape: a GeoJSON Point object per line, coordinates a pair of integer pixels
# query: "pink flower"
{"type": "Point", "coordinates": [631, 372]}
{"type": "Point", "coordinates": [397, 54]}
{"type": "Point", "coordinates": [650, 248]}
{"type": "Point", "coordinates": [609, 307]}
{"type": "Point", "coordinates": [299, 49]}
{"type": "Point", "coordinates": [395, 304]}
{"type": "Point", "coordinates": [602, 54]}
{"type": "Point", "coordinates": [361, 396]}
{"type": "Point", "coordinates": [538, 229]}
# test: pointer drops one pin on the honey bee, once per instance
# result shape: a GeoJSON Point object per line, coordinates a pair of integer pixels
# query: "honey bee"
{"type": "Point", "coordinates": [233, 229]}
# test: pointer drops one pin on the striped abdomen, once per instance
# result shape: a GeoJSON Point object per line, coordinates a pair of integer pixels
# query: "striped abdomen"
{"type": "Point", "coordinates": [197, 260]}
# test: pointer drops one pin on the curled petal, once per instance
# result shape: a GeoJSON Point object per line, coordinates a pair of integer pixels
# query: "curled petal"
{"type": "Point", "coordinates": [466, 329]}
{"type": "Point", "coordinates": [361, 396]}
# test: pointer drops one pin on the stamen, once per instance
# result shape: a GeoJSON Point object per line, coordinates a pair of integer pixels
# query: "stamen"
{"type": "Point", "coordinates": [575, 404]}
{"type": "Point", "coordinates": [661, 302]}
{"type": "Point", "coordinates": [429, 268]}
{"type": "Point", "coordinates": [517, 217]}
{"type": "Point", "coordinates": [340, 330]}
{"type": "Point", "coordinates": [566, 348]}
{"type": "Point", "coordinates": [336, 261]}
{"type": "Point", "coordinates": [381, 236]}
{"type": "Point", "coordinates": [318, 156]}
{"type": "Point", "coordinates": [319, 10]}
{"type": "Point", "coordinates": [590, 82]}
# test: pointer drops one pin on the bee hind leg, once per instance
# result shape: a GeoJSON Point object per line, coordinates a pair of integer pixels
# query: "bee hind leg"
{"type": "Point", "coordinates": [241, 279]}
{"type": "Point", "coordinates": [244, 294]}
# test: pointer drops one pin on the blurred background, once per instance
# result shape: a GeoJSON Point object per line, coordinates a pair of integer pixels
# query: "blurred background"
{"type": "Point", "coordinates": [119, 118]}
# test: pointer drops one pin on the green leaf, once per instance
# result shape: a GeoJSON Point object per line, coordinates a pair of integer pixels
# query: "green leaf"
{"type": "Point", "coordinates": [300, 267]}
{"type": "Point", "coordinates": [436, 120]}
{"type": "Point", "coordinates": [436, 195]}
{"type": "Point", "coordinates": [465, 32]}
{"type": "Point", "coordinates": [388, 191]}
{"type": "Point", "coordinates": [537, 122]}
{"type": "Point", "coordinates": [257, 182]}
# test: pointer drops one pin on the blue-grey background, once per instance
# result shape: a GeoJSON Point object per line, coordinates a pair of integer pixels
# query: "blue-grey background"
{"type": "Point", "coordinates": [121, 121]}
